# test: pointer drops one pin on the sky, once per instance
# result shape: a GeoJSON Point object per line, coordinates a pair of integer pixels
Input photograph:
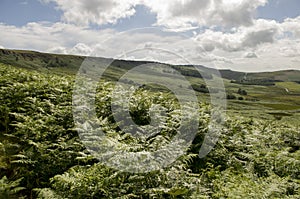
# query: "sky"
{"type": "Point", "coordinates": [242, 35]}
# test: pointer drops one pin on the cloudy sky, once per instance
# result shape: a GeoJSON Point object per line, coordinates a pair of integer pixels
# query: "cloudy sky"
{"type": "Point", "coordinates": [244, 35]}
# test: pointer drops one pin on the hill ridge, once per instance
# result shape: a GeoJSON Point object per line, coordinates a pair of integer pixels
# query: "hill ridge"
{"type": "Point", "coordinates": [70, 64]}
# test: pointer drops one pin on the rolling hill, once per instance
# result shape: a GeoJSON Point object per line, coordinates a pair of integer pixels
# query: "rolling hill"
{"type": "Point", "coordinates": [71, 63]}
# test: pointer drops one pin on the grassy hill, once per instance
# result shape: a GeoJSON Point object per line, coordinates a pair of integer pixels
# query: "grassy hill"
{"type": "Point", "coordinates": [42, 155]}
{"type": "Point", "coordinates": [41, 61]}
{"type": "Point", "coordinates": [71, 64]}
{"type": "Point", "coordinates": [268, 93]}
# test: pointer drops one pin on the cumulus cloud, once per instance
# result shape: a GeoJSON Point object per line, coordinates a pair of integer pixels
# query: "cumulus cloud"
{"type": "Point", "coordinates": [94, 11]}
{"type": "Point", "coordinates": [174, 14]}
{"type": "Point", "coordinates": [45, 36]}
{"type": "Point", "coordinates": [250, 55]}
{"type": "Point", "coordinates": [292, 25]}
{"type": "Point", "coordinates": [288, 48]}
{"type": "Point", "coordinates": [262, 31]}
{"type": "Point", "coordinates": [271, 43]}
{"type": "Point", "coordinates": [189, 13]}
{"type": "Point", "coordinates": [217, 59]}
{"type": "Point", "coordinates": [81, 49]}
{"type": "Point", "coordinates": [78, 49]}
{"type": "Point", "coordinates": [296, 60]}
{"type": "Point", "coordinates": [71, 39]}
{"type": "Point", "coordinates": [58, 50]}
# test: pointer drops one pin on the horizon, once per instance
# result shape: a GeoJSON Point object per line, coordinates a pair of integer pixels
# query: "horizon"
{"type": "Point", "coordinates": [256, 36]}
{"type": "Point", "coordinates": [223, 69]}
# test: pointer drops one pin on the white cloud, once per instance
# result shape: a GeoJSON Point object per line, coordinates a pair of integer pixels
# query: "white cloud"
{"type": "Point", "coordinates": [189, 13]}
{"type": "Point", "coordinates": [273, 45]}
{"type": "Point", "coordinates": [250, 55]}
{"type": "Point", "coordinates": [292, 25]}
{"type": "Point", "coordinates": [58, 50]}
{"type": "Point", "coordinates": [78, 49]}
{"type": "Point", "coordinates": [81, 49]}
{"type": "Point", "coordinates": [270, 57]}
{"type": "Point", "coordinates": [94, 11]}
{"type": "Point", "coordinates": [296, 60]}
{"type": "Point", "coordinates": [288, 48]}
{"type": "Point", "coordinates": [45, 36]}
{"type": "Point", "coordinates": [262, 31]}
{"type": "Point", "coordinates": [179, 15]}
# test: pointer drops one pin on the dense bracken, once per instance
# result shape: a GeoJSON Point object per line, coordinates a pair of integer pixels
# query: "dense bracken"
{"type": "Point", "coordinates": [43, 157]}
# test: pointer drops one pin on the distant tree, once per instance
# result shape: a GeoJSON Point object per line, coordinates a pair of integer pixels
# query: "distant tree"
{"type": "Point", "coordinates": [231, 96]}
{"type": "Point", "coordinates": [278, 117]}
{"type": "Point", "coordinates": [46, 60]}
{"type": "Point", "coordinates": [203, 86]}
{"type": "Point", "coordinates": [242, 92]}
{"type": "Point", "coordinates": [200, 88]}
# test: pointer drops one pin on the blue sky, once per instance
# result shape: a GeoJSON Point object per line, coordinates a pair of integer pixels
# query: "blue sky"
{"type": "Point", "coordinates": [234, 34]}
{"type": "Point", "coordinates": [20, 12]}
{"type": "Point", "coordinates": [279, 10]}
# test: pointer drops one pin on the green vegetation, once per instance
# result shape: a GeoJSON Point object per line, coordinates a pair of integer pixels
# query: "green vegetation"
{"type": "Point", "coordinates": [242, 92]}
{"type": "Point", "coordinates": [257, 155]}
{"type": "Point", "coordinates": [263, 82]}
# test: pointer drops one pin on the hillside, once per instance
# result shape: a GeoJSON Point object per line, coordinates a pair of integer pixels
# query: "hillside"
{"type": "Point", "coordinates": [71, 63]}
{"type": "Point", "coordinates": [43, 156]}
{"type": "Point", "coordinates": [266, 94]}
{"type": "Point", "coordinates": [40, 61]}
